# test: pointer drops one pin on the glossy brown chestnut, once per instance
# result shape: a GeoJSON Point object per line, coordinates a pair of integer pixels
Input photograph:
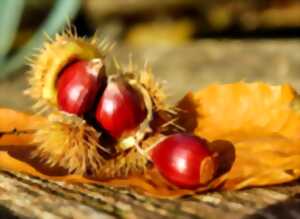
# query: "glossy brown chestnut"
{"type": "Point", "coordinates": [184, 160]}
{"type": "Point", "coordinates": [78, 84]}
{"type": "Point", "coordinates": [121, 108]}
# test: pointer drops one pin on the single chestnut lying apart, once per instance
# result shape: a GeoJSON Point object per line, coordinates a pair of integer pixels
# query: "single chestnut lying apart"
{"type": "Point", "coordinates": [103, 125]}
{"type": "Point", "coordinates": [184, 160]}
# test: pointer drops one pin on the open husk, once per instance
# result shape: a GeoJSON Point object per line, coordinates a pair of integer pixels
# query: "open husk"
{"type": "Point", "coordinates": [76, 144]}
{"type": "Point", "coordinates": [57, 53]}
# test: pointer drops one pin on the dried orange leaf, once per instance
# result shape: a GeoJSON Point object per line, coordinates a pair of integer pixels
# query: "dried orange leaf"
{"type": "Point", "coordinates": [259, 120]}
{"type": "Point", "coordinates": [264, 161]}
{"type": "Point", "coordinates": [20, 125]}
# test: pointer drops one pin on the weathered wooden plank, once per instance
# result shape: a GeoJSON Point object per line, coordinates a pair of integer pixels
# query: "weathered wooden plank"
{"type": "Point", "coordinates": [36, 198]}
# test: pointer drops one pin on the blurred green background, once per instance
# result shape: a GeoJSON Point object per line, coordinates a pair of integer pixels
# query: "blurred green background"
{"type": "Point", "coordinates": [193, 42]}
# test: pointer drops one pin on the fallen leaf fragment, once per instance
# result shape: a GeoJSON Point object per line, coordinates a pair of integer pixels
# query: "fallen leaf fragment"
{"type": "Point", "coordinates": [20, 125]}
{"type": "Point", "coordinates": [261, 123]}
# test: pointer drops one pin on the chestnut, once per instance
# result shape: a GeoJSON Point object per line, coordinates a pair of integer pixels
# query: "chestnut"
{"type": "Point", "coordinates": [78, 85]}
{"type": "Point", "coordinates": [184, 160]}
{"type": "Point", "coordinates": [121, 108]}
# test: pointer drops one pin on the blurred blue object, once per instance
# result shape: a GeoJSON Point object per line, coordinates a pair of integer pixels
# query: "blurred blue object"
{"type": "Point", "coordinates": [10, 16]}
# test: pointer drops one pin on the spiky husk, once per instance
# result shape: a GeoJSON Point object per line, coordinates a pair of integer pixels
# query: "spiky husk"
{"type": "Point", "coordinates": [129, 162]}
{"type": "Point", "coordinates": [145, 78]}
{"type": "Point", "coordinates": [69, 143]}
{"type": "Point", "coordinates": [56, 53]}
{"type": "Point", "coordinates": [155, 101]}
{"type": "Point", "coordinates": [132, 161]}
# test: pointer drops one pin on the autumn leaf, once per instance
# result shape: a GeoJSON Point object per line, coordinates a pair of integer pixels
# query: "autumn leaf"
{"type": "Point", "coordinates": [259, 120]}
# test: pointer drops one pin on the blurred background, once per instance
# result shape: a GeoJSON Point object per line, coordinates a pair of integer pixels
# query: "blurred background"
{"type": "Point", "coordinates": [189, 43]}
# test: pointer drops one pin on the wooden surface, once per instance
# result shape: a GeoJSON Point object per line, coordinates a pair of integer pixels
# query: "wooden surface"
{"type": "Point", "coordinates": [28, 197]}
{"type": "Point", "coordinates": [188, 67]}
